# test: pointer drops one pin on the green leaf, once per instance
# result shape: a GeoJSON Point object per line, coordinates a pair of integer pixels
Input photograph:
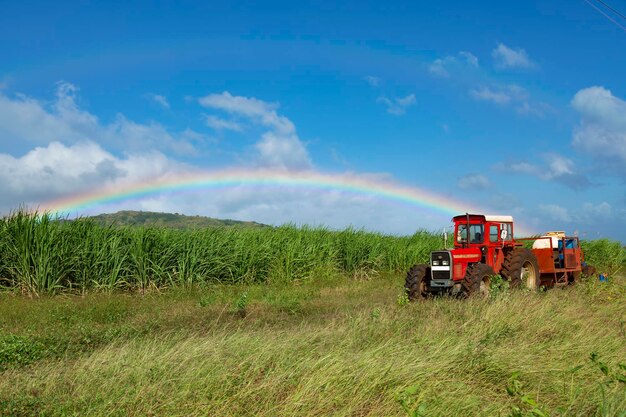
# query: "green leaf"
{"type": "Point", "coordinates": [603, 368]}
{"type": "Point", "coordinates": [527, 400]}
{"type": "Point", "coordinates": [576, 368]}
{"type": "Point", "coordinates": [412, 390]}
{"type": "Point", "coordinates": [621, 378]}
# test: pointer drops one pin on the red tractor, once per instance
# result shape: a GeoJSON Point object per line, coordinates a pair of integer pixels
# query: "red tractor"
{"type": "Point", "coordinates": [485, 246]}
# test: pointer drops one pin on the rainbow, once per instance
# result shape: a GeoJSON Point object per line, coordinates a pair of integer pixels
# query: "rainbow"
{"type": "Point", "coordinates": [349, 183]}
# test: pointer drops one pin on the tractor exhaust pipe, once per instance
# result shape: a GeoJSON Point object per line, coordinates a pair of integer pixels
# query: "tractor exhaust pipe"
{"type": "Point", "coordinates": [467, 238]}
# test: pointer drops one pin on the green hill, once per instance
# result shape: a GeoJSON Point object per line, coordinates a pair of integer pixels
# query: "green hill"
{"type": "Point", "coordinates": [169, 220]}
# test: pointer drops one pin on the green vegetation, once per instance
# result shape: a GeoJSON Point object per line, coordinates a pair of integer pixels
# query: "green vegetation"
{"type": "Point", "coordinates": [40, 255]}
{"type": "Point", "coordinates": [329, 345]}
{"type": "Point", "coordinates": [170, 220]}
{"type": "Point", "coordinates": [608, 256]}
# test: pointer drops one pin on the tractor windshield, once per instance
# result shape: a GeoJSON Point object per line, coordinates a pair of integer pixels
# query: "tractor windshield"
{"type": "Point", "coordinates": [476, 233]}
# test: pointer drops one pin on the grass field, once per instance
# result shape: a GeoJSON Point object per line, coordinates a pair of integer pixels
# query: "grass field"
{"type": "Point", "coordinates": [102, 320]}
{"type": "Point", "coordinates": [326, 346]}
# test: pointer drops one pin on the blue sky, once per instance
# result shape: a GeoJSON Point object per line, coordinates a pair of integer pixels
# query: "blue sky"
{"type": "Point", "coordinates": [518, 108]}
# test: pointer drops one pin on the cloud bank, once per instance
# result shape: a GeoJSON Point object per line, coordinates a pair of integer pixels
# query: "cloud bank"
{"type": "Point", "coordinates": [601, 132]}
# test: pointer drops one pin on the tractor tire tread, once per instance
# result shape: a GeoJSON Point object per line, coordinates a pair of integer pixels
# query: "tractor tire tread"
{"type": "Point", "coordinates": [512, 266]}
{"type": "Point", "coordinates": [414, 278]}
{"type": "Point", "coordinates": [474, 276]}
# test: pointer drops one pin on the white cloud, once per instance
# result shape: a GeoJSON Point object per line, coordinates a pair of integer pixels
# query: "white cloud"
{"type": "Point", "coordinates": [441, 67]}
{"type": "Point", "coordinates": [277, 150]}
{"type": "Point", "coordinates": [55, 170]}
{"type": "Point", "coordinates": [397, 106]}
{"type": "Point", "coordinates": [218, 123]}
{"type": "Point", "coordinates": [538, 109]}
{"type": "Point", "coordinates": [253, 108]}
{"type": "Point", "coordinates": [486, 94]}
{"type": "Point", "coordinates": [438, 66]}
{"type": "Point", "coordinates": [602, 129]}
{"type": "Point", "coordinates": [511, 95]}
{"type": "Point", "coordinates": [502, 95]}
{"type": "Point", "coordinates": [505, 57]}
{"type": "Point", "coordinates": [473, 182]}
{"type": "Point", "coordinates": [128, 135]}
{"type": "Point", "coordinates": [470, 58]}
{"type": "Point", "coordinates": [160, 100]}
{"type": "Point", "coordinates": [24, 119]}
{"type": "Point", "coordinates": [556, 168]}
{"type": "Point", "coordinates": [279, 147]}
{"type": "Point", "coordinates": [373, 81]}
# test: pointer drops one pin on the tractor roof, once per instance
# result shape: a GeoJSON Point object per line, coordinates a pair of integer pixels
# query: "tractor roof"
{"type": "Point", "coordinates": [496, 218]}
{"type": "Point", "coordinates": [485, 217]}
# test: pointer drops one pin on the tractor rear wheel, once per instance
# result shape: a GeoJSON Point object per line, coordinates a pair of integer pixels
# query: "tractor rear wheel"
{"type": "Point", "coordinates": [521, 269]}
{"type": "Point", "coordinates": [477, 280]}
{"type": "Point", "coordinates": [416, 283]}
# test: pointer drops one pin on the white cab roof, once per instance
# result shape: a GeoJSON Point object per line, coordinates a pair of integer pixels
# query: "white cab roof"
{"type": "Point", "coordinates": [495, 218]}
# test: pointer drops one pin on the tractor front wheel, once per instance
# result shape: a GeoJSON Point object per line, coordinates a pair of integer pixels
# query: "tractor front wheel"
{"type": "Point", "coordinates": [416, 283]}
{"type": "Point", "coordinates": [521, 269]}
{"type": "Point", "coordinates": [477, 280]}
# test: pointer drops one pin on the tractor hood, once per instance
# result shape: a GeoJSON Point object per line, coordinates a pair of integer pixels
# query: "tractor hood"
{"type": "Point", "coordinates": [466, 255]}
{"type": "Point", "coordinates": [461, 257]}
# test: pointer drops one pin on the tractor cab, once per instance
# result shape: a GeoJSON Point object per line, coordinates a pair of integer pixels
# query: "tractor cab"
{"type": "Point", "coordinates": [477, 230]}
{"type": "Point", "coordinates": [480, 238]}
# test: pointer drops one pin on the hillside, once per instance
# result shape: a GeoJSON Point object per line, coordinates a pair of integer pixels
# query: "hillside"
{"type": "Point", "coordinates": [170, 220]}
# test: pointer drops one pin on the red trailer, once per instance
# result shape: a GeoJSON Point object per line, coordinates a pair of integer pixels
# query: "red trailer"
{"type": "Point", "coordinates": [559, 257]}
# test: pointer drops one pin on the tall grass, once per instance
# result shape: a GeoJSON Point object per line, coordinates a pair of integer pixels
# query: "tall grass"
{"type": "Point", "coordinates": [40, 254]}
{"type": "Point", "coordinates": [607, 255]}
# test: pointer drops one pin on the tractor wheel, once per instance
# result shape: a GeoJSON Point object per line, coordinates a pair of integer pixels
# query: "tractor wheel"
{"type": "Point", "coordinates": [477, 280]}
{"type": "Point", "coordinates": [521, 269]}
{"type": "Point", "coordinates": [416, 283]}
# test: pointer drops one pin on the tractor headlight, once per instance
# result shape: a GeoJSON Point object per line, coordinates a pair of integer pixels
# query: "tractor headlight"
{"type": "Point", "coordinates": [435, 263]}
{"type": "Point", "coordinates": [445, 263]}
